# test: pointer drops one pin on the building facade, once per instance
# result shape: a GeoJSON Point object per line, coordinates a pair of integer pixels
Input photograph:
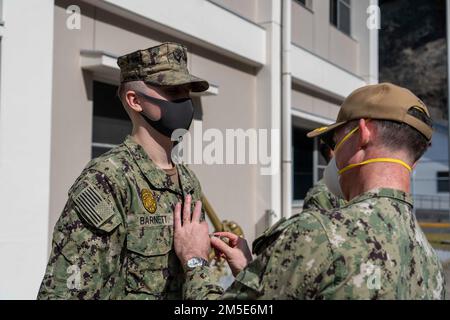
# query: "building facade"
{"type": "Point", "coordinates": [279, 65]}
{"type": "Point", "coordinates": [429, 182]}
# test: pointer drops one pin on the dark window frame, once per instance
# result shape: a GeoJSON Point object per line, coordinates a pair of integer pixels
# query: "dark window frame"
{"type": "Point", "coordinates": [307, 4]}
{"type": "Point", "coordinates": [442, 181]}
{"type": "Point", "coordinates": [110, 122]}
{"type": "Point", "coordinates": [336, 18]}
{"type": "Point", "coordinates": [302, 163]}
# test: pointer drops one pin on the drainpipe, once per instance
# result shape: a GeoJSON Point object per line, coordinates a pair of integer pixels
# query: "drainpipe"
{"type": "Point", "coordinates": [286, 121]}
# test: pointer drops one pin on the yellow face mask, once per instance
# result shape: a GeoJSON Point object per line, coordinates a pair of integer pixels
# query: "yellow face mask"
{"type": "Point", "coordinates": [351, 166]}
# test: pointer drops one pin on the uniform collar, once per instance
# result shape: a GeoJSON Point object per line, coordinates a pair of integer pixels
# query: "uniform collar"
{"type": "Point", "coordinates": [155, 175]}
{"type": "Point", "coordinates": [383, 193]}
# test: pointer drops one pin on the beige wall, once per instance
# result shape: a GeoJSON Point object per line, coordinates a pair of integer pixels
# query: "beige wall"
{"type": "Point", "coordinates": [312, 30]}
{"type": "Point", "coordinates": [307, 101]}
{"type": "Point", "coordinates": [234, 107]}
{"type": "Point", "coordinates": [244, 8]}
{"type": "Point", "coordinates": [231, 189]}
{"type": "Point", "coordinates": [302, 26]}
{"type": "Point", "coordinates": [343, 50]}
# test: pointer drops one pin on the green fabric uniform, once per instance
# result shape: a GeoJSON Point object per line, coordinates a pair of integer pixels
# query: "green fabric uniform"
{"type": "Point", "coordinates": [372, 248]}
{"type": "Point", "coordinates": [114, 239]}
{"type": "Point", "coordinates": [319, 197]}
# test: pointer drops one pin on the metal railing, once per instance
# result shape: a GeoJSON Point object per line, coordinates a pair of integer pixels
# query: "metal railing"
{"type": "Point", "coordinates": [432, 202]}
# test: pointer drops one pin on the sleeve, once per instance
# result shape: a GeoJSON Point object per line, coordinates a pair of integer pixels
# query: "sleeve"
{"type": "Point", "coordinates": [87, 242]}
{"type": "Point", "coordinates": [297, 262]}
{"type": "Point", "coordinates": [199, 285]}
{"type": "Point", "coordinates": [291, 267]}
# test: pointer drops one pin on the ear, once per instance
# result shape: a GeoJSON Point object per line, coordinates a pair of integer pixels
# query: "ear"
{"type": "Point", "coordinates": [365, 132]}
{"type": "Point", "coordinates": [133, 101]}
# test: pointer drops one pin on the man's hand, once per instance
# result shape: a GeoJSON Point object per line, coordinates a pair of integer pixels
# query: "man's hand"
{"type": "Point", "coordinates": [191, 236]}
{"type": "Point", "coordinates": [237, 253]}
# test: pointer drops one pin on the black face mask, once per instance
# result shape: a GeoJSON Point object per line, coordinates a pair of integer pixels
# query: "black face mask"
{"type": "Point", "coordinates": [175, 114]}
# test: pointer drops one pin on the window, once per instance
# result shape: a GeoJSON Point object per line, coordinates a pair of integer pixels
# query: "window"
{"type": "Point", "coordinates": [302, 166]}
{"type": "Point", "coordinates": [442, 181]}
{"type": "Point", "coordinates": [111, 123]}
{"type": "Point", "coordinates": [306, 3]}
{"type": "Point", "coordinates": [321, 161]}
{"type": "Point", "coordinates": [340, 15]}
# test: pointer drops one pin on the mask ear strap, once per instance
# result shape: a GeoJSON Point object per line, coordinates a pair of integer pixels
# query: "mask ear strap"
{"type": "Point", "coordinates": [347, 136]}
{"type": "Point", "coordinates": [397, 161]}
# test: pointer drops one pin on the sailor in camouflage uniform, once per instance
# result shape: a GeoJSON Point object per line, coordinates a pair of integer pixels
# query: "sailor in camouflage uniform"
{"type": "Point", "coordinates": [114, 239]}
{"type": "Point", "coordinates": [371, 248]}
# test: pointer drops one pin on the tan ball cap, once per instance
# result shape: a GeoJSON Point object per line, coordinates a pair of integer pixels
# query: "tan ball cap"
{"type": "Point", "coordinates": [384, 101]}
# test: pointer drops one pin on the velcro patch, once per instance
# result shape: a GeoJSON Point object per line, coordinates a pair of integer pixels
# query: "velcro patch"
{"type": "Point", "coordinates": [92, 206]}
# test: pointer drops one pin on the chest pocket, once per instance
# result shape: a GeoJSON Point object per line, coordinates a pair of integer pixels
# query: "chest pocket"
{"type": "Point", "coordinates": [153, 270]}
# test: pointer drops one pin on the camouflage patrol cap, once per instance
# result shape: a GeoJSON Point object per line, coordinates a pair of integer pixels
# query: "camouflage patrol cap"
{"type": "Point", "coordinates": [162, 65]}
{"type": "Point", "coordinates": [384, 101]}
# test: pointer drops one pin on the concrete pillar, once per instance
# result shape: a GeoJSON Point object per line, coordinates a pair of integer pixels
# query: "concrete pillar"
{"type": "Point", "coordinates": [25, 140]}
{"type": "Point", "coordinates": [268, 206]}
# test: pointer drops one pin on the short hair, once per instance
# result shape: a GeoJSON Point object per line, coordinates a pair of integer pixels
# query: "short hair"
{"type": "Point", "coordinates": [401, 136]}
{"type": "Point", "coordinates": [127, 86]}
{"type": "Point", "coordinates": [395, 135]}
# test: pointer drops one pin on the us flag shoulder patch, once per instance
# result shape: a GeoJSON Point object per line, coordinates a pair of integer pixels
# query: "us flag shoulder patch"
{"type": "Point", "coordinates": [92, 206]}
